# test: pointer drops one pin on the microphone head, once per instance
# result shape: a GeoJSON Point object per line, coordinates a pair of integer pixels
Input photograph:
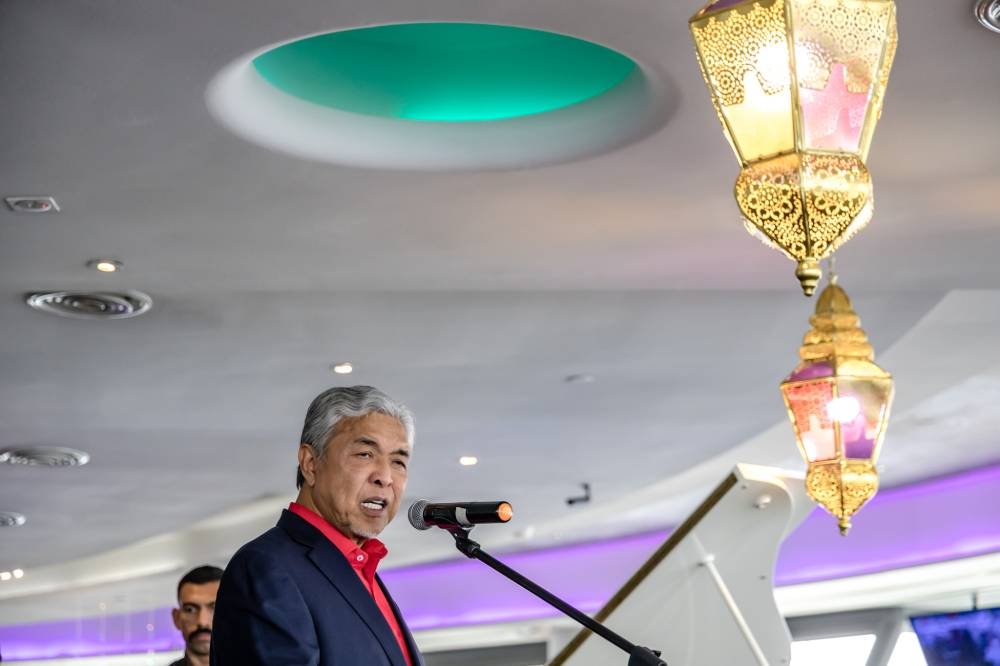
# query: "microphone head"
{"type": "Point", "coordinates": [416, 515]}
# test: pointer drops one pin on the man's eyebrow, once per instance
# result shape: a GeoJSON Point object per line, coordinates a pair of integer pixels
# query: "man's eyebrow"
{"type": "Point", "coordinates": [368, 441]}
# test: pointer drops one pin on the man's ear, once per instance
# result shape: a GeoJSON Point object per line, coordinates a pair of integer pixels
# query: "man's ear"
{"type": "Point", "coordinates": [307, 464]}
{"type": "Point", "coordinates": [175, 613]}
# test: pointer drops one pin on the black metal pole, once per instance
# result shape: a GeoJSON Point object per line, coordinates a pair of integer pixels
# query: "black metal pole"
{"type": "Point", "coordinates": [638, 655]}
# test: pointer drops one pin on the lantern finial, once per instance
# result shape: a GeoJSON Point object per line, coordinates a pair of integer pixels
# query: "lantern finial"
{"type": "Point", "coordinates": [836, 331]}
{"type": "Point", "coordinates": [808, 272]}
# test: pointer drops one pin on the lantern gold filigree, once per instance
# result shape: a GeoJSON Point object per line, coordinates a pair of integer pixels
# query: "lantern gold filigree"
{"type": "Point", "coordinates": [838, 400]}
{"type": "Point", "coordinates": [798, 86]}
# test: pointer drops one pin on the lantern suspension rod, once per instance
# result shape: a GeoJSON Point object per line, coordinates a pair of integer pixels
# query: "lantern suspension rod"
{"type": "Point", "coordinates": [831, 269]}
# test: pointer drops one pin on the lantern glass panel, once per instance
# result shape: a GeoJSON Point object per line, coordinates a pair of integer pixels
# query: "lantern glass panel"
{"type": "Point", "coordinates": [811, 371]}
{"type": "Point", "coordinates": [860, 408]}
{"type": "Point", "coordinates": [807, 401]}
{"type": "Point", "coordinates": [744, 56]}
{"type": "Point", "coordinates": [839, 49]}
{"type": "Point", "coordinates": [761, 124]}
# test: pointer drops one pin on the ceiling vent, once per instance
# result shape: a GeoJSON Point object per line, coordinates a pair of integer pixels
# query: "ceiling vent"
{"type": "Point", "coordinates": [32, 204]}
{"type": "Point", "coordinates": [94, 305]}
{"type": "Point", "coordinates": [44, 456]}
{"type": "Point", "coordinates": [11, 519]}
{"type": "Point", "coordinates": [988, 13]}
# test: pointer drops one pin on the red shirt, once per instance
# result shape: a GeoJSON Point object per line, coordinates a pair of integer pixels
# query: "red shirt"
{"type": "Point", "coordinates": [364, 560]}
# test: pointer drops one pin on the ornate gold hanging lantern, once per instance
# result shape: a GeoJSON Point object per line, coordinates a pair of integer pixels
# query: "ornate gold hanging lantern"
{"type": "Point", "coordinates": [838, 400]}
{"type": "Point", "coordinates": [798, 86]}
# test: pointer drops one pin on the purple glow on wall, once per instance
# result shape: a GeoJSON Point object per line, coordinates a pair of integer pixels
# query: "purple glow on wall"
{"type": "Point", "coordinates": [460, 587]}
{"type": "Point", "coordinates": [928, 522]}
{"type": "Point", "coordinates": [124, 633]}
{"type": "Point", "coordinates": [937, 520]}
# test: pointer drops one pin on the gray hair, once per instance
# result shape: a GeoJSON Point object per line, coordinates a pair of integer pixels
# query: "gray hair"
{"type": "Point", "coordinates": [335, 404]}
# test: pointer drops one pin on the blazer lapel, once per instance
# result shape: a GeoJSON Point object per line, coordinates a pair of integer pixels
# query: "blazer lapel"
{"type": "Point", "coordinates": [411, 644]}
{"type": "Point", "coordinates": [335, 567]}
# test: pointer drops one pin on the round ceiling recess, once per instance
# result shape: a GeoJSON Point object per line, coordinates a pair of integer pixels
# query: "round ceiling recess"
{"type": "Point", "coordinates": [440, 96]}
{"type": "Point", "coordinates": [91, 305]}
{"type": "Point", "coordinates": [454, 72]}
{"type": "Point", "coordinates": [11, 519]}
{"type": "Point", "coordinates": [44, 456]}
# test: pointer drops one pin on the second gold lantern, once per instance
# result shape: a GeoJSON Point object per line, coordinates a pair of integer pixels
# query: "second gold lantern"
{"type": "Point", "coordinates": [838, 400]}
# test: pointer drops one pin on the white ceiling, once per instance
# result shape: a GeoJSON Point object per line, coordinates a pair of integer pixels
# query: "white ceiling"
{"type": "Point", "coordinates": [468, 295]}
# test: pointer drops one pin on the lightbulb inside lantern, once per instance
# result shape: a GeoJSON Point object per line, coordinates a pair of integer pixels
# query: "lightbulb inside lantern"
{"type": "Point", "coordinates": [843, 409]}
{"type": "Point", "coordinates": [773, 65]}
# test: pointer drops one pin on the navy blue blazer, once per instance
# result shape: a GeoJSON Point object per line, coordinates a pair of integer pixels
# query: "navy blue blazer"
{"type": "Point", "coordinates": [290, 598]}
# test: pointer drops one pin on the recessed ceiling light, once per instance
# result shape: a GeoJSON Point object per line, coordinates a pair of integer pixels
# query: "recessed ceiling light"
{"type": "Point", "coordinates": [106, 265]}
{"type": "Point", "coordinates": [45, 456]}
{"type": "Point", "coordinates": [31, 204]}
{"type": "Point", "coordinates": [468, 461]}
{"type": "Point", "coordinates": [18, 573]}
{"type": "Point", "coordinates": [5, 575]}
{"type": "Point", "coordinates": [988, 13]}
{"type": "Point", "coordinates": [11, 519]}
{"type": "Point", "coordinates": [342, 368]}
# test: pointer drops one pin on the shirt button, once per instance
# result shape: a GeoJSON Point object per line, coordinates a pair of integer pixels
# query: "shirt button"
{"type": "Point", "coordinates": [361, 558]}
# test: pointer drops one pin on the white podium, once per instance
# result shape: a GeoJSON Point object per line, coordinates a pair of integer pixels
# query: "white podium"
{"type": "Point", "coordinates": [705, 597]}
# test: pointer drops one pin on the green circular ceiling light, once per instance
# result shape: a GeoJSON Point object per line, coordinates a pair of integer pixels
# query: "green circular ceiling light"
{"type": "Point", "coordinates": [454, 72]}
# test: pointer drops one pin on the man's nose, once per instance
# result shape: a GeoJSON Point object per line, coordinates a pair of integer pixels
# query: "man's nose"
{"type": "Point", "coordinates": [382, 474]}
{"type": "Point", "coordinates": [205, 617]}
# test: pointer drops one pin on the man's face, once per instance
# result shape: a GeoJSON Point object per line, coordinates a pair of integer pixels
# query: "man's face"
{"type": "Point", "coordinates": [194, 617]}
{"type": "Point", "coordinates": [358, 484]}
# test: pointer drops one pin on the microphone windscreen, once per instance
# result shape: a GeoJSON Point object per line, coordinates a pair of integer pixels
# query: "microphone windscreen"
{"type": "Point", "coordinates": [416, 515]}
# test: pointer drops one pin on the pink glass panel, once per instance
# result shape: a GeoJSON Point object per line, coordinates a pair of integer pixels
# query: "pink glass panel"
{"type": "Point", "coordinates": [832, 118]}
{"type": "Point", "coordinates": [808, 404]}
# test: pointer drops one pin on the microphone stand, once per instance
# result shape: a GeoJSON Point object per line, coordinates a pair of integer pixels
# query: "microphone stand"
{"type": "Point", "coordinates": [638, 655]}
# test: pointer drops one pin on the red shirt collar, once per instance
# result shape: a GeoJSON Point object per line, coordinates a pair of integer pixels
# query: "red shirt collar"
{"type": "Point", "coordinates": [364, 558]}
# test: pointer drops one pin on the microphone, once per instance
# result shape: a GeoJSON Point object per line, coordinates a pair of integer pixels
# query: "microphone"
{"type": "Point", "coordinates": [424, 514]}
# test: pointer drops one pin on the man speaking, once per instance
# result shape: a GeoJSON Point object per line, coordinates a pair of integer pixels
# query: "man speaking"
{"type": "Point", "coordinates": [305, 592]}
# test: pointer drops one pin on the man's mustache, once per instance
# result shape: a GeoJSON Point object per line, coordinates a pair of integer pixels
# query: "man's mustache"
{"type": "Point", "coordinates": [200, 630]}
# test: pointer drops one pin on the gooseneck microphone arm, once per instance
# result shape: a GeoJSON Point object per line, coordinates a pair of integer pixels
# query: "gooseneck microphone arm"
{"type": "Point", "coordinates": [638, 655]}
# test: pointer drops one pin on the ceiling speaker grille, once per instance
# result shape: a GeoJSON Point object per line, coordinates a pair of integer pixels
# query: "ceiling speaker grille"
{"type": "Point", "coordinates": [92, 305]}
{"type": "Point", "coordinates": [11, 519]}
{"type": "Point", "coordinates": [44, 456]}
{"type": "Point", "coordinates": [32, 204]}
